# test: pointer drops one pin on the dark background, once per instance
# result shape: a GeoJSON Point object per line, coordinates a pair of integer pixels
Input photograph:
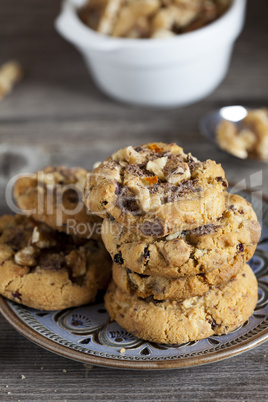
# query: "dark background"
{"type": "Point", "coordinates": [56, 115]}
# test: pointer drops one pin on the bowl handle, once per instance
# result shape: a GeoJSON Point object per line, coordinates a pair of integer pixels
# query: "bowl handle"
{"type": "Point", "coordinates": [73, 30]}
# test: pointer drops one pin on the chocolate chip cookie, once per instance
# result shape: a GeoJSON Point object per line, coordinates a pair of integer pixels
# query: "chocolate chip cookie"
{"type": "Point", "coordinates": [49, 270]}
{"type": "Point", "coordinates": [156, 189]}
{"type": "Point", "coordinates": [219, 311]}
{"type": "Point", "coordinates": [188, 252]}
{"type": "Point", "coordinates": [54, 196]}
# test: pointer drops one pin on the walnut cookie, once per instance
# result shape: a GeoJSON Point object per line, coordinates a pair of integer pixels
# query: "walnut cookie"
{"type": "Point", "coordinates": [156, 189]}
{"type": "Point", "coordinates": [219, 311]}
{"type": "Point", "coordinates": [49, 270]}
{"type": "Point", "coordinates": [54, 196]}
{"type": "Point", "coordinates": [174, 289]}
{"type": "Point", "coordinates": [191, 252]}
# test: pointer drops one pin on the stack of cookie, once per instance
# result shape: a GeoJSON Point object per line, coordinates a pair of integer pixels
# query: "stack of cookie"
{"type": "Point", "coordinates": [53, 258]}
{"type": "Point", "coordinates": [179, 243]}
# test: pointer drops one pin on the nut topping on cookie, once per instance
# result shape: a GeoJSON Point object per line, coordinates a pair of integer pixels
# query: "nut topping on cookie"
{"type": "Point", "coordinates": [156, 183]}
{"type": "Point", "coordinates": [42, 258]}
{"type": "Point", "coordinates": [156, 166]}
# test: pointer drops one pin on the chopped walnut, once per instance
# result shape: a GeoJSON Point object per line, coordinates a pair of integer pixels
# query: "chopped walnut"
{"type": "Point", "coordinates": [132, 14]}
{"type": "Point", "coordinates": [150, 18]}
{"type": "Point", "coordinates": [10, 74]}
{"type": "Point", "coordinates": [76, 260]}
{"type": "Point", "coordinates": [188, 303]}
{"type": "Point", "coordinates": [175, 172]}
{"type": "Point", "coordinates": [173, 236]}
{"type": "Point", "coordinates": [26, 256]}
{"type": "Point", "coordinates": [156, 166]}
{"type": "Point", "coordinates": [249, 138]}
{"type": "Point", "coordinates": [42, 239]}
{"type": "Point", "coordinates": [128, 154]}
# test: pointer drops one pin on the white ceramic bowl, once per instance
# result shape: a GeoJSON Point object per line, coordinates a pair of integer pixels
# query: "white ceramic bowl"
{"type": "Point", "coordinates": [156, 72]}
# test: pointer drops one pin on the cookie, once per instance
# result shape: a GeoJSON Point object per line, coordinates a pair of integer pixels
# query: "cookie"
{"type": "Point", "coordinates": [156, 189]}
{"type": "Point", "coordinates": [54, 196]}
{"type": "Point", "coordinates": [191, 252]}
{"type": "Point", "coordinates": [49, 270]}
{"type": "Point", "coordinates": [161, 288]}
{"type": "Point", "coordinates": [218, 312]}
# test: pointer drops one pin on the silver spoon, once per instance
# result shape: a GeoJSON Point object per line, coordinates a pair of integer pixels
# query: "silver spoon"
{"type": "Point", "coordinates": [210, 122]}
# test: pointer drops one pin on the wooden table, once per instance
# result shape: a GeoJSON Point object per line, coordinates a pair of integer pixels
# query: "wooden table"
{"type": "Point", "coordinates": [56, 115]}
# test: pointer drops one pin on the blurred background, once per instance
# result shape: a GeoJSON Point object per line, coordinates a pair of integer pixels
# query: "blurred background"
{"type": "Point", "coordinates": [56, 114]}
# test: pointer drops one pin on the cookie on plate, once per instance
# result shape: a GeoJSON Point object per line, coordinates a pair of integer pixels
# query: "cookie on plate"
{"type": "Point", "coordinates": [49, 270]}
{"type": "Point", "coordinates": [54, 196]}
{"type": "Point", "coordinates": [190, 252]}
{"type": "Point", "coordinates": [174, 289]}
{"type": "Point", "coordinates": [156, 189]}
{"type": "Point", "coordinates": [219, 311]}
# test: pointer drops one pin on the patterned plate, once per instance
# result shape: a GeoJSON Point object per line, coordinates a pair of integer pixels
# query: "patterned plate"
{"type": "Point", "coordinates": [87, 335]}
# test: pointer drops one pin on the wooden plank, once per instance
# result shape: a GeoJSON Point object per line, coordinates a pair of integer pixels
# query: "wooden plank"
{"type": "Point", "coordinates": [56, 115]}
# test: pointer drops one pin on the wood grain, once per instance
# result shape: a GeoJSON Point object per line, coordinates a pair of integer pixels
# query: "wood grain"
{"type": "Point", "coordinates": [56, 115]}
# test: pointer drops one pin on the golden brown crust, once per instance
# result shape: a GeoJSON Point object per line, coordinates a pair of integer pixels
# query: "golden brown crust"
{"type": "Point", "coordinates": [174, 289]}
{"type": "Point", "coordinates": [49, 270]}
{"type": "Point", "coordinates": [186, 253]}
{"type": "Point", "coordinates": [219, 311]}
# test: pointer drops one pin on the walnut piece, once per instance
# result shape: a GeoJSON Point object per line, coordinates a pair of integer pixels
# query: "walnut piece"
{"type": "Point", "coordinates": [247, 139]}
{"type": "Point", "coordinates": [156, 166]}
{"type": "Point", "coordinates": [10, 74]}
{"type": "Point", "coordinates": [76, 260]}
{"type": "Point", "coordinates": [26, 256]}
{"type": "Point", "coordinates": [150, 18]}
{"type": "Point", "coordinates": [42, 239]}
{"type": "Point", "coordinates": [128, 154]}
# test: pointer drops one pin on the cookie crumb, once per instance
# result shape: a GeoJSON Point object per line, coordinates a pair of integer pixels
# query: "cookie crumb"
{"type": "Point", "coordinates": [9, 393]}
{"type": "Point", "coordinates": [6, 386]}
{"type": "Point", "coordinates": [122, 350]}
{"type": "Point", "coordinates": [64, 371]}
{"type": "Point", "coordinates": [41, 368]}
{"type": "Point", "coordinates": [23, 377]}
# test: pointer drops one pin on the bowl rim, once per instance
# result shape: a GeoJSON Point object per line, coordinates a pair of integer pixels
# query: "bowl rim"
{"type": "Point", "coordinates": [70, 7]}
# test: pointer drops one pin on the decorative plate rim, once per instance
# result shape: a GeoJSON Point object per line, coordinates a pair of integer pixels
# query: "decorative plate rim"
{"type": "Point", "coordinates": [176, 363]}
{"type": "Point", "coordinates": [81, 357]}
